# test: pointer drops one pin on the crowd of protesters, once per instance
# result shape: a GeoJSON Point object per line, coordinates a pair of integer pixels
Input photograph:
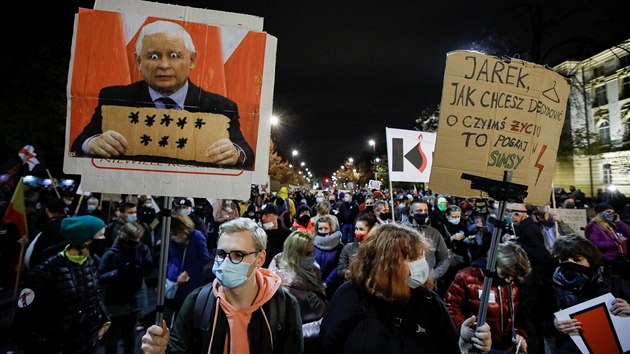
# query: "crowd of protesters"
{"type": "Point", "coordinates": [351, 270]}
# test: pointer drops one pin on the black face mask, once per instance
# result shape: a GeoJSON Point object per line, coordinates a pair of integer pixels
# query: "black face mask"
{"type": "Point", "coordinates": [385, 216]}
{"type": "Point", "coordinates": [421, 219]}
{"type": "Point", "coordinates": [369, 209]}
{"type": "Point", "coordinates": [303, 219]}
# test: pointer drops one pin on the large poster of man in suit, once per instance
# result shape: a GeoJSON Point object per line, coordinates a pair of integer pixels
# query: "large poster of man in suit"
{"type": "Point", "coordinates": [168, 92]}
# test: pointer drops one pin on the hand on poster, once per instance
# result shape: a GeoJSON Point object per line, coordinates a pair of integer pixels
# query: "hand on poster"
{"type": "Point", "coordinates": [567, 326]}
{"type": "Point", "coordinates": [110, 143]}
{"type": "Point", "coordinates": [223, 152]}
{"type": "Point", "coordinates": [620, 307]}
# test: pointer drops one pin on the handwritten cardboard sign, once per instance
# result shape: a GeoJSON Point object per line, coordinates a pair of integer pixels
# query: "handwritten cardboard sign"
{"type": "Point", "coordinates": [497, 115]}
{"type": "Point", "coordinates": [576, 218]}
{"type": "Point", "coordinates": [166, 132]}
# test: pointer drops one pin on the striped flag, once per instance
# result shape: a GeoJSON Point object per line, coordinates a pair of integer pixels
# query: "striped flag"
{"type": "Point", "coordinates": [16, 211]}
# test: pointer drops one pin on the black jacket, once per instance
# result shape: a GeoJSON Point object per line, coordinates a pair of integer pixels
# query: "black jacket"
{"type": "Point", "coordinates": [137, 95]}
{"type": "Point", "coordinates": [356, 322]}
{"type": "Point", "coordinates": [66, 311]}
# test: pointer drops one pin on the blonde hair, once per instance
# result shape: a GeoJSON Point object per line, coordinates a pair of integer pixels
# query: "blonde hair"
{"type": "Point", "coordinates": [294, 249]}
{"type": "Point", "coordinates": [245, 224]}
{"type": "Point", "coordinates": [380, 266]}
{"type": "Point", "coordinates": [513, 257]}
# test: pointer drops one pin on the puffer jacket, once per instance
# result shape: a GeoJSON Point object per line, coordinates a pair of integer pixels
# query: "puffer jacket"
{"type": "Point", "coordinates": [462, 301]}
{"type": "Point", "coordinates": [64, 312]}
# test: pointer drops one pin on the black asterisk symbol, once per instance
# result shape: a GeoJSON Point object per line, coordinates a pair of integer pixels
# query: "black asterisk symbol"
{"type": "Point", "coordinates": [181, 122]}
{"type": "Point", "coordinates": [149, 120]}
{"type": "Point", "coordinates": [134, 117]}
{"type": "Point", "coordinates": [166, 120]}
{"type": "Point", "coordinates": [181, 143]}
{"type": "Point", "coordinates": [199, 123]}
{"type": "Point", "coordinates": [164, 141]}
{"type": "Point", "coordinates": [145, 140]}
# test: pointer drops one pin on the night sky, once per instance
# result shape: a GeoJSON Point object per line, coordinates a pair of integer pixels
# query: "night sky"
{"type": "Point", "coordinates": [347, 69]}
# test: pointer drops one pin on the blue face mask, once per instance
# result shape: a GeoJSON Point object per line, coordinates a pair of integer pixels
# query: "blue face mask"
{"type": "Point", "coordinates": [608, 216]}
{"type": "Point", "coordinates": [132, 217]}
{"type": "Point", "coordinates": [91, 207]}
{"type": "Point", "coordinates": [507, 219]}
{"type": "Point", "coordinates": [229, 274]}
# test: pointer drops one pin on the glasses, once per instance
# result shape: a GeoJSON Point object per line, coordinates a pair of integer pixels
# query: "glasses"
{"type": "Point", "coordinates": [235, 257]}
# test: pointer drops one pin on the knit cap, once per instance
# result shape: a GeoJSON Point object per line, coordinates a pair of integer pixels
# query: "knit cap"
{"type": "Point", "coordinates": [77, 230]}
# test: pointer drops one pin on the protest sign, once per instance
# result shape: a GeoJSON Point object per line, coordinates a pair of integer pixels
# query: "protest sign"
{"type": "Point", "coordinates": [601, 331]}
{"type": "Point", "coordinates": [576, 218]}
{"type": "Point", "coordinates": [498, 115]}
{"type": "Point", "coordinates": [231, 78]}
{"type": "Point", "coordinates": [409, 154]}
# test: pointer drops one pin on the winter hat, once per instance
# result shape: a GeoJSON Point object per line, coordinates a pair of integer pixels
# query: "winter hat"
{"type": "Point", "coordinates": [77, 230]}
{"type": "Point", "coordinates": [179, 202]}
{"type": "Point", "coordinates": [269, 209]}
{"type": "Point", "coordinates": [378, 195]}
{"type": "Point", "coordinates": [303, 207]}
{"type": "Point", "coordinates": [603, 206]}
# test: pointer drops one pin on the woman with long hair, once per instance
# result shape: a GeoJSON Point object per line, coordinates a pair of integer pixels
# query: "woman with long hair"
{"type": "Point", "coordinates": [302, 278]}
{"type": "Point", "coordinates": [384, 309]}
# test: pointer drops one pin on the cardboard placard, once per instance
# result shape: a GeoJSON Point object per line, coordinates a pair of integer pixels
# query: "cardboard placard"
{"type": "Point", "coordinates": [166, 132]}
{"type": "Point", "coordinates": [497, 115]}
{"type": "Point", "coordinates": [576, 218]}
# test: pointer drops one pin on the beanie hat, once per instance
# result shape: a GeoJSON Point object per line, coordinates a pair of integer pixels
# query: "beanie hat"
{"type": "Point", "coordinates": [303, 207]}
{"type": "Point", "coordinates": [603, 206]}
{"type": "Point", "coordinates": [77, 230]}
{"type": "Point", "coordinates": [179, 202]}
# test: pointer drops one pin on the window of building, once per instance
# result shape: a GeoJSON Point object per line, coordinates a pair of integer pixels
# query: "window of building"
{"type": "Point", "coordinates": [625, 88]}
{"type": "Point", "coordinates": [604, 133]}
{"type": "Point", "coordinates": [600, 96]}
{"type": "Point", "coordinates": [607, 174]}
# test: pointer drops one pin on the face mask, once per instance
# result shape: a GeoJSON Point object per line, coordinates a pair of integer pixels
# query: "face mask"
{"type": "Point", "coordinates": [319, 199]}
{"type": "Point", "coordinates": [386, 216]}
{"type": "Point", "coordinates": [148, 205]}
{"type": "Point", "coordinates": [228, 209]}
{"type": "Point", "coordinates": [331, 200]}
{"type": "Point", "coordinates": [307, 262]}
{"type": "Point", "coordinates": [369, 209]}
{"type": "Point", "coordinates": [418, 272]}
{"type": "Point", "coordinates": [454, 221]}
{"type": "Point", "coordinates": [421, 219]}
{"type": "Point", "coordinates": [507, 219]}
{"type": "Point", "coordinates": [360, 237]}
{"type": "Point", "coordinates": [346, 199]}
{"type": "Point", "coordinates": [442, 206]}
{"type": "Point", "coordinates": [184, 212]}
{"type": "Point", "coordinates": [303, 219]}
{"type": "Point", "coordinates": [608, 216]}
{"type": "Point", "coordinates": [91, 207]}
{"type": "Point", "coordinates": [67, 202]}
{"type": "Point", "coordinates": [132, 217]}
{"type": "Point", "coordinates": [229, 274]}
{"type": "Point", "coordinates": [401, 206]}
{"type": "Point", "coordinates": [268, 225]}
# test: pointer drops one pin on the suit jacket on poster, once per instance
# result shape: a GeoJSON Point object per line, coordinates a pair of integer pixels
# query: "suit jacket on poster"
{"type": "Point", "coordinates": [137, 95]}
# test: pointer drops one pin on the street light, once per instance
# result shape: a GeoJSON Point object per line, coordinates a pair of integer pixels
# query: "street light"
{"type": "Point", "coordinates": [293, 155]}
{"type": "Point", "coordinates": [351, 160]}
{"type": "Point", "coordinates": [303, 164]}
{"type": "Point", "coordinates": [274, 120]}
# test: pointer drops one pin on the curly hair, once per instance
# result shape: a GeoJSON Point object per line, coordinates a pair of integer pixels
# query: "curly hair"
{"type": "Point", "coordinates": [380, 265]}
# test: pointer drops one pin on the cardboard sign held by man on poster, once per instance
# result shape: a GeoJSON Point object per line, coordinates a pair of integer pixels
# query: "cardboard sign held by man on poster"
{"type": "Point", "coordinates": [498, 115]}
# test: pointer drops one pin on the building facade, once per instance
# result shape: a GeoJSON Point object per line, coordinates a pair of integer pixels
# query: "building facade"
{"type": "Point", "coordinates": [598, 117]}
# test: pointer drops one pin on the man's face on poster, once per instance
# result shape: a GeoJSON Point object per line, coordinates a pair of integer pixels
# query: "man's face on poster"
{"type": "Point", "coordinates": [165, 62]}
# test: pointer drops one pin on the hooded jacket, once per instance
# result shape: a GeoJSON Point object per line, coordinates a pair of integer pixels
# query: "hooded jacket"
{"type": "Point", "coordinates": [239, 331]}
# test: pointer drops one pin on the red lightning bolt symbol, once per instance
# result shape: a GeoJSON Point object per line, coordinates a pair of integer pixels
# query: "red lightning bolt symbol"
{"type": "Point", "coordinates": [539, 166]}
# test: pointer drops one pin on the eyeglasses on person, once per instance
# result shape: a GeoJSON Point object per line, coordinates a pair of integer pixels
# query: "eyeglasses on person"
{"type": "Point", "coordinates": [235, 257]}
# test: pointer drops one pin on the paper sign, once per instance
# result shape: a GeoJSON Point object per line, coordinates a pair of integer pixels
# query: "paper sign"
{"type": "Point", "coordinates": [166, 132]}
{"type": "Point", "coordinates": [602, 332]}
{"type": "Point", "coordinates": [234, 72]}
{"type": "Point", "coordinates": [498, 115]}
{"type": "Point", "coordinates": [409, 154]}
{"type": "Point", "coordinates": [576, 218]}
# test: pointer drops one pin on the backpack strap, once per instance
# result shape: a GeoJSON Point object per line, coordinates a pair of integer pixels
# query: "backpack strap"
{"type": "Point", "coordinates": [204, 307]}
{"type": "Point", "coordinates": [277, 316]}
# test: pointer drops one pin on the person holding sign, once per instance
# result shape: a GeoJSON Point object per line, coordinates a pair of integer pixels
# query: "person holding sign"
{"type": "Point", "coordinates": [165, 54]}
{"type": "Point", "coordinates": [579, 277]}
